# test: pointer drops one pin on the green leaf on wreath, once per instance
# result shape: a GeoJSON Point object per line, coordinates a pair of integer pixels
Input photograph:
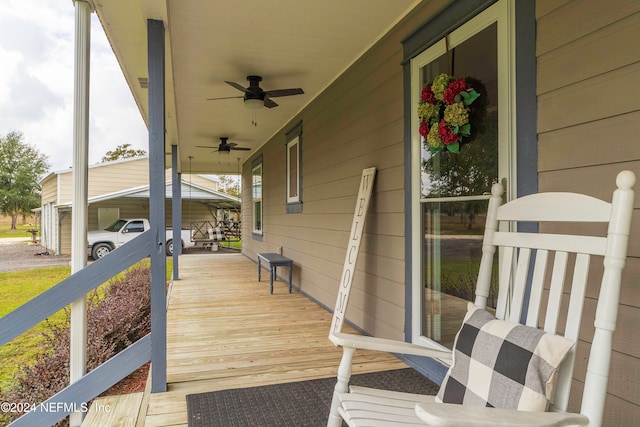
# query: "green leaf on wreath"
{"type": "Point", "coordinates": [455, 129]}
{"type": "Point", "coordinates": [454, 148]}
{"type": "Point", "coordinates": [470, 96]}
{"type": "Point", "coordinates": [465, 129]}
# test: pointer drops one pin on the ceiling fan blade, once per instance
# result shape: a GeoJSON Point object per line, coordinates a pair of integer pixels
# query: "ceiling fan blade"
{"type": "Point", "coordinates": [237, 86]}
{"type": "Point", "coordinates": [225, 97]}
{"type": "Point", "coordinates": [205, 146]}
{"type": "Point", "coordinates": [241, 148]}
{"type": "Point", "coordinates": [283, 92]}
{"type": "Point", "coordinates": [269, 103]}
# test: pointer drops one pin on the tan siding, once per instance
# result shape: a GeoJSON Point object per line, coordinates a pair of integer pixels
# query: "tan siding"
{"type": "Point", "coordinates": [557, 68]}
{"type": "Point", "coordinates": [356, 123]}
{"type": "Point", "coordinates": [129, 208]}
{"type": "Point", "coordinates": [196, 179]}
{"type": "Point", "coordinates": [544, 7]}
{"type": "Point", "coordinates": [603, 141]}
{"type": "Point", "coordinates": [65, 182]}
{"type": "Point", "coordinates": [588, 122]}
{"type": "Point", "coordinates": [117, 176]}
{"type": "Point", "coordinates": [65, 234]}
{"type": "Point", "coordinates": [139, 208]}
{"type": "Point", "coordinates": [49, 190]}
{"type": "Point", "coordinates": [578, 19]}
{"type": "Point", "coordinates": [589, 100]}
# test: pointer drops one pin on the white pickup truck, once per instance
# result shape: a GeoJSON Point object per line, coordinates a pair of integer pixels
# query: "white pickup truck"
{"type": "Point", "coordinates": [101, 242]}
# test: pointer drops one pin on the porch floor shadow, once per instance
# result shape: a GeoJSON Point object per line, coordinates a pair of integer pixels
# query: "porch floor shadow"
{"type": "Point", "coordinates": [224, 331]}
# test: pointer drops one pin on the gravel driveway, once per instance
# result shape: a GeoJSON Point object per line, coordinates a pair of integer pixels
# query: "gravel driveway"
{"type": "Point", "coordinates": [21, 254]}
{"type": "Point", "coordinates": [18, 253]}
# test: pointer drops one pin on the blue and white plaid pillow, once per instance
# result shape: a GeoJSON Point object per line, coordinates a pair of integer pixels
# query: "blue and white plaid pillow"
{"type": "Point", "coordinates": [502, 364]}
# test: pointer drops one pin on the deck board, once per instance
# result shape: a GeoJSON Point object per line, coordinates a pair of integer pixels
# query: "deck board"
{"type": "Point", "coordinates": [224, 330]}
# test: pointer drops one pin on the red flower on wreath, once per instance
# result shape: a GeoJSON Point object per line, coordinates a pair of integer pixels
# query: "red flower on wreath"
{"type": "Point", "coordinates": [445, 134]}
{"type": "Point", "coordinates": [428, 96]}
{"type": "Point", "coordinates": [454, 88]}
{"type": "Point", "coordinates": [424, 128]}
{"type": "Point", "coordinates": [444, 112]}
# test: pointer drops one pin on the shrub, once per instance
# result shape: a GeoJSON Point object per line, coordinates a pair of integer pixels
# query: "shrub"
{"type": "Point", "coordinates": [115, 320]}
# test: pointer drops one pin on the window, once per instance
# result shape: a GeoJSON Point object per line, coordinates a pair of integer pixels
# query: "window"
{"type": "Point", "coordinates": [293, 168]}
{"type": "Point", "coordinates": [449, 199]}
{"type": "Point", "coordinates": [134, 227]}
{"type": "Point", "coordinates": [256, 196]}
{"type": "Point", "coordinates": [294, 181]}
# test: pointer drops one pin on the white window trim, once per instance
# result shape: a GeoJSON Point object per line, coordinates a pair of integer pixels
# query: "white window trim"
{"type": "Point", "coordinates": [254, 199]}
{"type": "Point", "coordinates": [504, 13]}
{"type": "Point", "coordinates": [296, 198]}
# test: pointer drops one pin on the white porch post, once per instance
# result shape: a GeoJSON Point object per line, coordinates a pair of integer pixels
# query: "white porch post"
{"type": "Point", "coordinates": [83, 9]}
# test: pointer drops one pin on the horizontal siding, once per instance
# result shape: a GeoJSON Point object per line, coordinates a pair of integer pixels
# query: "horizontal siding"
{"type": "Point", "coordinates": [198, 180]}
{"type": "Point", "coordinates": [118, 176]}
{"type": "Point", "coordinates": [65, 188]}
{"type": "Point", "coordinates": [588, 125]}
{"type": "Point", "coordinates": [556, 69]}
{"type": "Point", "coordinates": [557, 149]}
{"type": "Point", "coordinates": [577, 19]}
{"type": "Point", "coordinates": [49, 190]}
{"type": "Point", "coordinates": [544, 7]}
{"type": "Point", "coordinates": [65, 235]}
{"type": "Point", "coordinates": [589, 100]}
{"type": "Point", "coordinates": [356, 123]}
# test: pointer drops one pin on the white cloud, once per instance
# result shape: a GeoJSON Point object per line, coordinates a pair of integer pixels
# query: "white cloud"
{"type": "Point", "coordinates": [36, 83]}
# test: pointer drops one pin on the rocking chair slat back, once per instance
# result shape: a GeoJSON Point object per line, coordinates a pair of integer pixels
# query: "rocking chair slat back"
{"type": "Point", "coordinates": [542, 282]}
{"type": "Point", "coordinates": [525, 279]}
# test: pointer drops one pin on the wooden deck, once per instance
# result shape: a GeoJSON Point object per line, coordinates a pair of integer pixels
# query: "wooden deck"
{"type": "Point", "coordinates": [226, 331]}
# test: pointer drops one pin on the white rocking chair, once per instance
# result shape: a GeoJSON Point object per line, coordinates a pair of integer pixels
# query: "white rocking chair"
{"type": "Point", "coordinates": [549, 256]}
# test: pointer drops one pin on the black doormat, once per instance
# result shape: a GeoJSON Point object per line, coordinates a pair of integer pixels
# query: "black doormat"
{"type": "Point", "coordinates": [304, 403]}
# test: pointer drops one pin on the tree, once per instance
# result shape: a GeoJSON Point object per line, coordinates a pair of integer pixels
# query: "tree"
{"type": "Point", "coordinates": [21, 167]}
{"type": "Point", "coordinates": [468, 173]}
{"type": "Point", "coordinates": [122, 152]}
{"type": "Point", "coordinates": [230, 185]}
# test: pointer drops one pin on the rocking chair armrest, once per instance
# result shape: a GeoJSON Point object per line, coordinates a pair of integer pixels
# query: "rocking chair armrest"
{"type": "Point", "coordinates": [364, 342]}
{"type": "Point", "coordinates": [449, 414]}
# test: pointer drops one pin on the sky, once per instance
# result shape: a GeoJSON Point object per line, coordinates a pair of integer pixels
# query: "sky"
{"type": "Point", "coordinates": [36, 83]}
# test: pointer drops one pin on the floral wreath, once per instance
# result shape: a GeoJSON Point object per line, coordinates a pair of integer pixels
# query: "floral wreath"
{"type": "Point", "coordinates": [444, 112]}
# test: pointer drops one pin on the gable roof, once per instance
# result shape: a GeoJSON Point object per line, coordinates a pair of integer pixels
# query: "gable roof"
{"type": "Point", "coordinates": [190, 191]}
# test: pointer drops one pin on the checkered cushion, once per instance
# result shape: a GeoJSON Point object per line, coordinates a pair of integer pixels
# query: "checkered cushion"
{"type": "Point", "coordinates": [502, 364]}
{"type": "Point", "coordinates": [215, 234]}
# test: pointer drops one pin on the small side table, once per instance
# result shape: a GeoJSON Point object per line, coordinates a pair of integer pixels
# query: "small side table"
{"type": "Point", "coordinates": [274, 260]}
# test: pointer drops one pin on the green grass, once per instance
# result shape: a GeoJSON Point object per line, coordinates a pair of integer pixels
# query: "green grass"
{"type": "Point", "coordinates": [18, 287]}
{"type": "Point", "coordinates": [21, 231]}
{"type": "Point", "coordinates": [234, 244]}
{"type": "Point", "coordinates": [459, 277]}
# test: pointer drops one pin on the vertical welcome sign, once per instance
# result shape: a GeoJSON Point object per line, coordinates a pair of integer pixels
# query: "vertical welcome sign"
{"type": "Point", "coordinates": [355, 237]}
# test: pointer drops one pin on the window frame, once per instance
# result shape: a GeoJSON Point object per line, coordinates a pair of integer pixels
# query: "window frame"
{"type": "Point", "coordinates": [293, 138]}
{"type": "Point", "coordinates": [502, 13]}
{"type": "Point", "coordinates": [257, 222]}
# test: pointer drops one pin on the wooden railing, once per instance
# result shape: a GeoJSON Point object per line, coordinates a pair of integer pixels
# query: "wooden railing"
{"type": "Point", "coordinates": [75, 396]}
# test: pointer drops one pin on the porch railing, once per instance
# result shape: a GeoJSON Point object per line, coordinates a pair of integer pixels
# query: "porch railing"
{"type": "Point", "coordinates": [77, 395]}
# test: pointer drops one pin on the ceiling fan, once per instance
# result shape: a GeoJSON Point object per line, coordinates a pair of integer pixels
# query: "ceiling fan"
{"type": "Point", "coordinates": [225, 146]}
{"type": "Point", "coordinates": [255, 97]}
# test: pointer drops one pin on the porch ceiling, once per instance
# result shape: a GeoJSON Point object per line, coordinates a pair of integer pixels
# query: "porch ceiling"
{"type": "Point", "coordinates": [290, 43]}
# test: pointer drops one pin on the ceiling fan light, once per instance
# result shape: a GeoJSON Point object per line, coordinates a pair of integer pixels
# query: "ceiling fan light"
{"type": "Point", "coordinates": [253, 104]}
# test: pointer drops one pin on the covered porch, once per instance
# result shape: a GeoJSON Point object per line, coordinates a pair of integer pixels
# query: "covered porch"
{"type": "Point", "coordinates": [224, 331]}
